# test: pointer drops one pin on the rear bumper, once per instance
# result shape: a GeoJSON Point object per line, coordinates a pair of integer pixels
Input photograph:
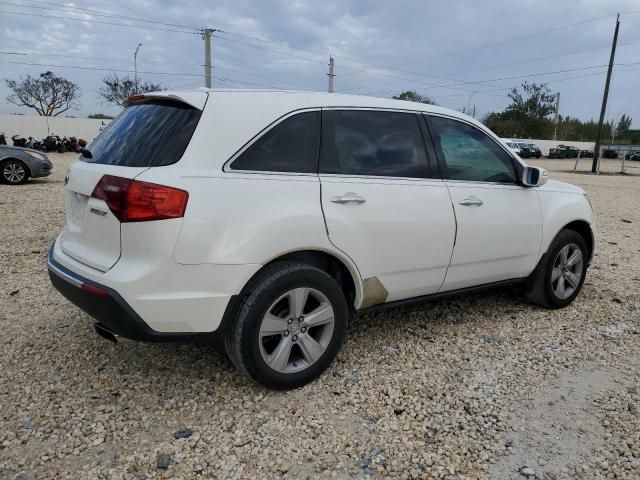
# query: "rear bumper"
{"type": "Point", "coordinates": [111, 311]}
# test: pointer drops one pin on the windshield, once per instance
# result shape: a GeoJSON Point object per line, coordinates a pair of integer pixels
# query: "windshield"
{"type": "Point", "coordinates": [149, 134]}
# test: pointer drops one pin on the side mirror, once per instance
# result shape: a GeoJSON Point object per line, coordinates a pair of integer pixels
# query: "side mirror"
{"type": "Point", "coordinates": [534, 176]}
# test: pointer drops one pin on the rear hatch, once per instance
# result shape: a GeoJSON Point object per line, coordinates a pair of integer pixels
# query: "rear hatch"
{"type": "Point", "coordinates": [152, 131]}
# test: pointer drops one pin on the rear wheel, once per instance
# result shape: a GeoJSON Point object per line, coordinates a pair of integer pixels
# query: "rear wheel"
{"type": "Point", "coordinates": [13, 172]}
{"type": "Point", "coordinates": [559, 276]}
{"type": "Point", "coordinates": [289, 326]}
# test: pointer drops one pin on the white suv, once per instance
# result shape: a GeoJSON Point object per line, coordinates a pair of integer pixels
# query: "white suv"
{"type": "Point", "coordinates": [267, 219]}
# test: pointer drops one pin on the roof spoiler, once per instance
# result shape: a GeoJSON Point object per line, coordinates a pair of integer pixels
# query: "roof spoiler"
{"type": "Point", "coordinates": [196, 99]}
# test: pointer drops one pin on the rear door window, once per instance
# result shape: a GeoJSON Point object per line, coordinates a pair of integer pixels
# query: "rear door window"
{"type": "Point", "coordinates": [153, 133]}
{"type": "Point", "coordinates": [373, 143]}
{"type": "Point", "coordinates": [289, 146]}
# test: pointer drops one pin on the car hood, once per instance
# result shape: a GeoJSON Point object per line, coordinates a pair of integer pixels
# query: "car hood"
{"type": "Point", "coordinates": [20, 149]}
{"type": "Point", "coordinates": [557, 186]}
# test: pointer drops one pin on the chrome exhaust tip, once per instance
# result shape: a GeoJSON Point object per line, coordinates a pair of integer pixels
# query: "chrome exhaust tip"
{"type": "Point", "coordinates": [109, 335]}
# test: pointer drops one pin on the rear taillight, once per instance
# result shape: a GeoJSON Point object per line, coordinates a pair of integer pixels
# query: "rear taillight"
{"type": "Point", "coordinates": [135, 201]}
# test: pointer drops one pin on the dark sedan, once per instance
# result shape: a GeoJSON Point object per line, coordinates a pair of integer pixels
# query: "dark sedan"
{"type": "Point", "coordinates": [18, 164]}
{"type": "Point", "coordinates": [632, 156]}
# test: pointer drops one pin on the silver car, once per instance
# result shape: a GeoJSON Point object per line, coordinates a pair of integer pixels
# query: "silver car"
{"type": "Point", "coordinates": [18, 164]}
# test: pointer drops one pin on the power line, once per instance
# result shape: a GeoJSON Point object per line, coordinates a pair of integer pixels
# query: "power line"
{"type": "Point", "coordinates": [108, 59]}
{"type": "Point", "coordinates": [562, 27]}
{"type": "Point", "coordinates": [504, 42]}
{"type": "Point", "coordinates": [323, 62]}
{"type": "Point", "coordinates": [98, 13]}
{"type": "Point", "coordinates": [78, 67]}
{"type": "Point", "coordinates": [126, 60]}
{"type": "Point", "coordinates": [57, 17]}
{"type": "Point", "coordinates": [508, 64]}
{"type": "Point", "coordinates": [257, 39]}
{"type": "Point", "coordinates": [543, 73]}
{"type": "Point", "coordinates": [537, 59]}
{"type": "Point", "coordinates": [548, 81]}
{"type": "Point", "coordinates": [271, 50]}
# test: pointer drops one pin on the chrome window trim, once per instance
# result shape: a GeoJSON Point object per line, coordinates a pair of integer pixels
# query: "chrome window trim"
{"type": "Point", "coordinates": [380, 177]}
{"type": "Point", "coordinates": [226, 168]}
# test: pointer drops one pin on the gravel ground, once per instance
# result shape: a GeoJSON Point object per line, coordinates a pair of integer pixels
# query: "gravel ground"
{"type": "Point", "coordinates": [481, 386]}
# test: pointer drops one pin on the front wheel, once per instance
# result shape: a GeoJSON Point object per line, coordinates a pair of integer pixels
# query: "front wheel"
{"type": "Point", "coordinates": [559, 276]}
{"type": "Point", "coordinates": [13, 172]}
{"type": "Point", "coordinates": [289, 326]}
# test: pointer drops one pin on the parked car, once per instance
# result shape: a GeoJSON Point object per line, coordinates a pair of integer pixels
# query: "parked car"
{"type": "Point", "coordinates": [513, 146]}
{"type": "Point", "coordinates": [564, 151]}
{"type": "Point", "coordinates": [525, 150]}
{"type": "Point", "coordinates": [268, 219]}
{"type": "Point", "coordinates": [586, 154]}
{"type": "Point", "coordinates": [632, 155]}
{"type": "Point", "coordinates": [18, 164]}
{"type": "Point", "coordinates": [608, 153]}
{"type": "Point", "coordinates": [535, 150]}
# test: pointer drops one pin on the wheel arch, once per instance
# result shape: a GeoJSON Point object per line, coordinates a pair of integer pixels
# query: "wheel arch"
{"type": "Point", "coordinates": [24, 164]}
{"type": "Point", "coordinates": [338, 267]}
{"type": "Point", "coordinates": [583, 228]}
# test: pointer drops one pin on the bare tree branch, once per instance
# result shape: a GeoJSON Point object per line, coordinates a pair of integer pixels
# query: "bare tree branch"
{"type": "Point", "coordinates": [47, 95]}
{"type": "Point", "coordinates": [116, 89]}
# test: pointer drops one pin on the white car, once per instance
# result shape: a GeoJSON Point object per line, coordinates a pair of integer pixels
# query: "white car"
{"type": "Point", "coordinates": [513, 146]}
{"type": "Point", "coordinates": [267, 219]}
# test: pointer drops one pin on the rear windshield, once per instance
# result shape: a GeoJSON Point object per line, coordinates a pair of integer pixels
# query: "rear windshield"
{"type": "Point", "coordinates": [149, 134]}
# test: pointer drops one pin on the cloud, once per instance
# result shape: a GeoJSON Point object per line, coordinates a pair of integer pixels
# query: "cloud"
{"type": "Point", "coordinates": [380, 47]}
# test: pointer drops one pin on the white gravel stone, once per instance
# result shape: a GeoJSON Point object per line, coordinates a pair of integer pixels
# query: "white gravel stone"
{"type": "Point", "coordinates": [428, 391]}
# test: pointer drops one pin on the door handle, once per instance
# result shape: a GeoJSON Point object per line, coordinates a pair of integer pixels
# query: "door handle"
{"type": "Point", "coordinates": [471, 201]}
{"type": "Point", "coordinates": [348, 198]}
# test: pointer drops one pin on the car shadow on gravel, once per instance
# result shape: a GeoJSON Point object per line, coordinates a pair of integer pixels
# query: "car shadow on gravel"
{"type": "Point", "coordinates": [171, 366]}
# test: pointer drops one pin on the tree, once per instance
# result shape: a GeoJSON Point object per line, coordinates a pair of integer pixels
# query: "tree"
{"type": "Point", "coordinates": [526, 116]}
{"type": "Point", "coordinates": [116, 89]}
{"type": "Point", "coordinates": [49, 95]}
{"type": "Point", "coordinates": [413, 96]}
{"type": "Point", "coordinates": [623, 127]}
{"type": "Point", "coordinates": [536, 101]}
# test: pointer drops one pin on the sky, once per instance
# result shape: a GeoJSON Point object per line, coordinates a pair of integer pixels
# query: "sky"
{"type": "Point", "coordinates": [463, 53]}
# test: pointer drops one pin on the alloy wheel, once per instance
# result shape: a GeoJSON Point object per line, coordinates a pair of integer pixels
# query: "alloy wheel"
{"type": "Point", "coordinates": [296, 330]}
{"type": "Point", "coordinates": [567, 271]}
{"type": "Point", "coordinates": [14, 173]}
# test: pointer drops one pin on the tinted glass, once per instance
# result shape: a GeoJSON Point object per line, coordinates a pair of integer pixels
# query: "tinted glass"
{"type": "Point", "coordinates": [361, 142]}
{"type": "Point", "coordinates": [469, 153]}
{"type": "Point", "coordinates": [149, 134]}
{"type": "Point", "coordinates": [290, 146]}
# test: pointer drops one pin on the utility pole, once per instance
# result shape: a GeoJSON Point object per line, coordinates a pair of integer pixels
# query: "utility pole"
{"type": "Point", "coordinates": [596, 152]}
{"type": "Point", "coordinates": [557, 117]}
{"type": "Point", "coordinates": [330, 75]}
{"type": "Point", "coordinates": [206, 35]}
{"type": "Point", "coordinates": [135, 68]}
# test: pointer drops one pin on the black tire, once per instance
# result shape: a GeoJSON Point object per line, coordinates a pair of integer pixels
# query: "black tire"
{"type": "Point", "coordinates": [539, 287]}
{"type": "Point", "coordinates": [242, 337]}
{"type": "Point", "coordinates": [6, 175]}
